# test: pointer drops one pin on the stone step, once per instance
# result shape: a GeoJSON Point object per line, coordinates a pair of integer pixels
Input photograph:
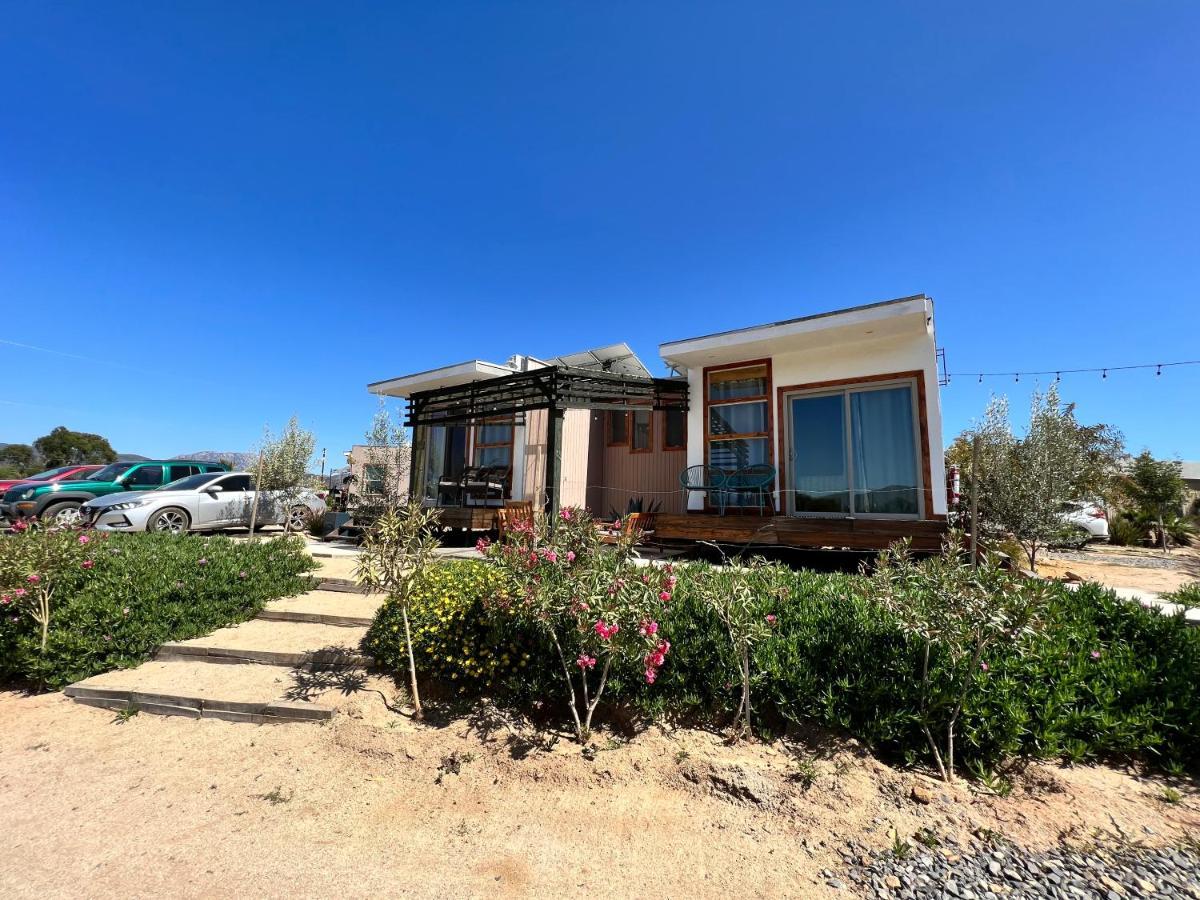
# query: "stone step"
{"type": "Point", "coordinates": [195, 689]}
{"type": "Point", "coordinates": [325, 608]}
{"type": "Point", "coordinates": [297, 644]}
{"type": "Point", "coordinates": [347, 585]}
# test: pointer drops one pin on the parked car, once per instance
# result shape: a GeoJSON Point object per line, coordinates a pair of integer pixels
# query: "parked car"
{"type": "Point", "coordinates": [1086, 516]}
{"type": "Point", "coordinates": [200, 503]}
{"type": "Point", "coordinates": [62, 473]}
{"type": "Point", "coordinates": [59, 502]}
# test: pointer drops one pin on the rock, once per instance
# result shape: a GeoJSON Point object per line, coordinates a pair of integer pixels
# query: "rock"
{"type": "Point", "coordinates": [892, 882]}
{"type": "Point", "coordinates": [921, 794]}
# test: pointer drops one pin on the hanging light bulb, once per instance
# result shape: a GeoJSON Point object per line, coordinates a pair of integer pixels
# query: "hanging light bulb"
{"type": "Point", "coordinates": [1058, 376]}
{"type": "Point", "coordinates": [981, 379]}
{"type": "Point", "coordinates": [1017, 377]}
{"type": "Point", "coordinates": [1159, 372]}
{"type": "Point", "coordinates": [1105, 375]}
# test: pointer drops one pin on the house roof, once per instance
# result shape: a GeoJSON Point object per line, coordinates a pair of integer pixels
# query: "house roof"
{"type": "Point", "coordinates": [446, 376]}
{"type": "Point", "coordinates": [1191, 470]}
{"type": "Point", "coordinates": [870, 321]}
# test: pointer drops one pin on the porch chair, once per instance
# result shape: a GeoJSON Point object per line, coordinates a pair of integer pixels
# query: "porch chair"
{"type": "Point", "coordinates": [708, 480]}
{"type": "Point", "coordinates": [756, 480]}
{"type": "Point", "coordinates": [638, 526]}
{"type": "Point", "coordinates": [510, 514]}
{"type": "Point", "coordinates": [488, 481]}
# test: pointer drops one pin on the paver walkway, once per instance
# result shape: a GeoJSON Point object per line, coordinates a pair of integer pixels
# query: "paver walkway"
{"type": "Point", "coordinates": [294, 662]}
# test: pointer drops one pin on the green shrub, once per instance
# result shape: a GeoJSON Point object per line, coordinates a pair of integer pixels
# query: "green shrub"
{"type": "Point", "coordinates": [462, 642]}
{"type": "Point", "coordinates": [122, 595]}
{"type": "Point", "coordinates": [1188, 595]}
{"type": "Point", "coordinates": [1124, 532]}
{"type": "Point", "coordinates": [1104, 678]}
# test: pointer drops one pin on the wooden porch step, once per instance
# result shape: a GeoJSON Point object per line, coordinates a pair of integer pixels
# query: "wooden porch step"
{"type": "Point", "coordinates": [289, 643]}
{"type": "Point", "coordinates": [343, 608]}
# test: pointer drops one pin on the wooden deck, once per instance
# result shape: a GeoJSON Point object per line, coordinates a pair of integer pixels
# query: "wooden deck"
{"type": "Point", "coordinates": [471, 518]}
{"type": "Point", "coordinates": [792, 531]}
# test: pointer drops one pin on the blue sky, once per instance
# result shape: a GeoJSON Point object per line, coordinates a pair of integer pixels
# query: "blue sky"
{"type": "Point", "coordinates": [220, 215]}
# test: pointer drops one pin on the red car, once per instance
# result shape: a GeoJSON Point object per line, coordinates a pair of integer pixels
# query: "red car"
{"type": "Point", "coordinates": [62, 473]}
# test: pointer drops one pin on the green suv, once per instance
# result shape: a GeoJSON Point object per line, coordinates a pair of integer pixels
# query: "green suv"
{"type": "Point", "coordinates": [60, 502]}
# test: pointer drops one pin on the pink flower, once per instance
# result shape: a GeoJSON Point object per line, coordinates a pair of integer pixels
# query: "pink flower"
{"type": "Point", "coordinates": [202, 562]}
{"type": "Point", "coordinates": [648, 629]}
{"type": "Point", "coordinates": [772, 618]}
{"type": "Point", "coordinates": [482, 545]}
{"type": "Point", "coordinates": [125, 611]}
{"type": "Point", "coordinates": [84, 539]}
{"type": "Point", "coordinates": [570, 556]}
{"type": "Point", "coordinates": [242, 574]}
{"type": "Point", "coordinates": [585, 661]}
{"type": "Point", "coordinates": [983, 666]}
{"type": "Point", "coordinates": [533, 557]}
{"type": "Point", "coordinates": [1095, 654]}
{"type": "Point", "coordinates": [671, 579]}
{"type": "Point", "coordinates": [605, 630]}
{"type": "Point", "coordinates": [34, 579]}
{"type": "Point", "coordinates": [88, 563]}
{"type": "Point", "coordinates": [565, 513]}
{"type": "Point", "coordinates": [651, 674]}
{"type": "Point", "coordinates": [5, 599]}
{"type": "Point", "coordinates": [20, 592]}
{"type": "Point", "coordinates": [551, 556]}
{"type": "Point", "coordinates": [665, 596]}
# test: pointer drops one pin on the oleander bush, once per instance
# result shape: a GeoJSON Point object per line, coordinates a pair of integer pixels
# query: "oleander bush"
{"type": "Point", "coordinates": [114, 598]}
{"type": "Point", "coordinates": [1100, 678]}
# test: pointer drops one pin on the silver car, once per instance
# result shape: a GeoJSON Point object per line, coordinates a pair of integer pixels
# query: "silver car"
{"type": "Point", "coordinates": [200, 503]}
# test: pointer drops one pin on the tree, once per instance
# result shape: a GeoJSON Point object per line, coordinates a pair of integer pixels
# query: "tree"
{"type": "Point", "coordinates": [19, 457]}
{"type": "Point", "coordinates": [63, 447]}
{"type": "Point", "coordinates": [397, 551]}
{"type": "Point", "coordinates": [1157, 487]}
{"type": "Point", "coordinates": [385, 461]}
{"type": "Point", "coordinates": [1024, 481]}
{"type": "Point", "coordinates": [282, 468]}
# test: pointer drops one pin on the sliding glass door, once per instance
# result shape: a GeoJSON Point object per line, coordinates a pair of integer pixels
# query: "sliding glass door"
{"type": "Point", "coordinates": [854, 452]}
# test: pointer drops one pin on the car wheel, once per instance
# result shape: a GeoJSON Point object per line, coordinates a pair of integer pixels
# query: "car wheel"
{"type": "Point", "coordinates": [66, 514]}
{"type": "Point", "coordinates": [297, 519]}
{"type": "Point", "coordinates": [169, 520]}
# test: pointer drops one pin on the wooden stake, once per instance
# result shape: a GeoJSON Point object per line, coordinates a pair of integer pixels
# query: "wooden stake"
{"type": "Point", "coordinates": [975, 445]}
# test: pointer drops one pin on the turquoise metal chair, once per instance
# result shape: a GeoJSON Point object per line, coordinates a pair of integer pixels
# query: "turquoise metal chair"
{"type": "Point", "coordinates": [706, 479]}
{"type": "Point", "coordinates": [756, 480]}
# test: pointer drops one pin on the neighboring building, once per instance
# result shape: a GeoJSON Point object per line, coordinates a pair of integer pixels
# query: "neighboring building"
{"type": "Point", "coordinates": [367, 469]}
{"type": "Point", "coordinates": [1191, 481]}
{"type": "Point", "coordinates": [843, 406]}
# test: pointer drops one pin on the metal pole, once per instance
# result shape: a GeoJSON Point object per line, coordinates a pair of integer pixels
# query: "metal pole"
{"type": "Point", "coordinates": [975, 445]}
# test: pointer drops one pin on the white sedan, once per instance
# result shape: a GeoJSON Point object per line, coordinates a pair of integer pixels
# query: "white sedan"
{"type": "Point", "coordinates": [1085, 516]}
{"type": "Point", "coordinates": [200, 503]}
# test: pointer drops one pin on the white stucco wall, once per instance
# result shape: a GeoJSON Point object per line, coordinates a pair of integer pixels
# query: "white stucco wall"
{"type": "Point", "coordinates": [860, 359]}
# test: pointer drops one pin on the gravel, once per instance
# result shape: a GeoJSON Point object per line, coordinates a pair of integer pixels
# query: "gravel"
{"type": "Point", "coordinates": [1113, 559]}
{"type": "Point", "coordinates": [994, 870]}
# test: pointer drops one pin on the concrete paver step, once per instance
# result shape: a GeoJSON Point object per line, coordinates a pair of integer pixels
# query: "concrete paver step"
{"type": "Point", "coordinates": [196, 689]}
{"type": "Point", "coordinates": [325, 608]}
{"type": "Point", "coordinates": [275, 643]}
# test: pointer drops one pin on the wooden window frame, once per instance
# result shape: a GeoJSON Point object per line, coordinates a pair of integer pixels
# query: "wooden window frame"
{"type": "Point", "coordinates": [769, 434]}
{"type": "Point", "coordinates": [609, 417]}
{"type": "Point", "coordinates": [477, 444]}
{"type": "Point", "coordinates": [665, 445]}
{"type": "Point", "coordinates": [916, 375]}
{"type": "Point", "coordinates": [649, 448]}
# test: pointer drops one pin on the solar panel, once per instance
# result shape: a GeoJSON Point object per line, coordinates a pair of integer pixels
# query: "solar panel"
{"type": "Point", "coordinates": [616, 358]}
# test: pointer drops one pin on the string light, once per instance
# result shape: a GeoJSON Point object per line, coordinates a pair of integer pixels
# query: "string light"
{"type": "Point", "coordinates": [1058, 373]}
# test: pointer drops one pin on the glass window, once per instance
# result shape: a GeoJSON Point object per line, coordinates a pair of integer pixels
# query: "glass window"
{"type": "Point", "coordinates": [736, 384]}
{"type": "Point", "coordinates": [237, 483]}
{"type": "Point", "coordinates": [111, 471]}
{"type": "Point", "coordinates": [618, 428]}
{"type": "Point", "coordinates": [445, 459]}
{"type": "Point", "coordinates": [494, 433]}
{"type": "Point", "coordinates": [373, 478]}
{"type": "Point", "coordinates": [885, 451]}
{"type": "Point", "coordinates": [738, 418]}
{"type": "Point", "coordinates": [820, 482]}
{"type": "Point", "coordinates": [498, 457]}
{"type": "Point", "coordinates": [191, 483]}
{"type": "Point", "coordinates": [48, 474]}
{"type": "Point", "coordinates": [178, 472]}
{"type": "Point", "coordinates": [145, 476]}
{"type": "Point", "coordinates": [674, 429]}
{"type": "Point", "coordinates": [641, 429]}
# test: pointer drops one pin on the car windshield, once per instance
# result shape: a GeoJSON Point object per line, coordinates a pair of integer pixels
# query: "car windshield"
{"type": "Point", "coordinates": [48, 474]}
{"type": "Point", "coordinates": [191, 482]}
{"type": "Point", "coordinates": [110, 472]}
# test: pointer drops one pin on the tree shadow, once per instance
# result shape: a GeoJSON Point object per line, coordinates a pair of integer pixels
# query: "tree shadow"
{"type": "Point", "coordinates": [344, 676]}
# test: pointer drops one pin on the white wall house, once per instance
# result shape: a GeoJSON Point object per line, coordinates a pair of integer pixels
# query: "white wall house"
{"type": "Point", "coordinates": [844, 405]}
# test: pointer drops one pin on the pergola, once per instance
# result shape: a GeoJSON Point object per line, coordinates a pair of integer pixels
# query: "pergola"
{"type": "Point", "coordinates": [554, 389]}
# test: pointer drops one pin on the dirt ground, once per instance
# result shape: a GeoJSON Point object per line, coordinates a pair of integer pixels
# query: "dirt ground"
{"type": "Point", "coordinates": [1127, 567]}
{"type": "Point", "coordinates": [371, 804]}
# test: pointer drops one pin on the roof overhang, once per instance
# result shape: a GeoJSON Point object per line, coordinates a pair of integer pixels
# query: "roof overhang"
{"type": "Point", "coordinates": [890, 318]}
{"type": "Point", "coordinates": [434, 379]}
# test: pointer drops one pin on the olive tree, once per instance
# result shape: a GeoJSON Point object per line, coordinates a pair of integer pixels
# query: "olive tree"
{"type": "Point", "coordinates": [1156, 486]}
{"type": "Point", "coordinates": [1024, 480]}
{"type": "Point", "coordinates": [282, 468]}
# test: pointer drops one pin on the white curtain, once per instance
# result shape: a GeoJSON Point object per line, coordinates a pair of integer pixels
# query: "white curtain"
{"type": "Point", "coordinates": [885, 458]}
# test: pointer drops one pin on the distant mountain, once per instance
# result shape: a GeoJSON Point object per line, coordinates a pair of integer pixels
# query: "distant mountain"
{"type": "Point", "coordinates": [130, 457]}
{"type": "Point", "coordinates": [241, 461]}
